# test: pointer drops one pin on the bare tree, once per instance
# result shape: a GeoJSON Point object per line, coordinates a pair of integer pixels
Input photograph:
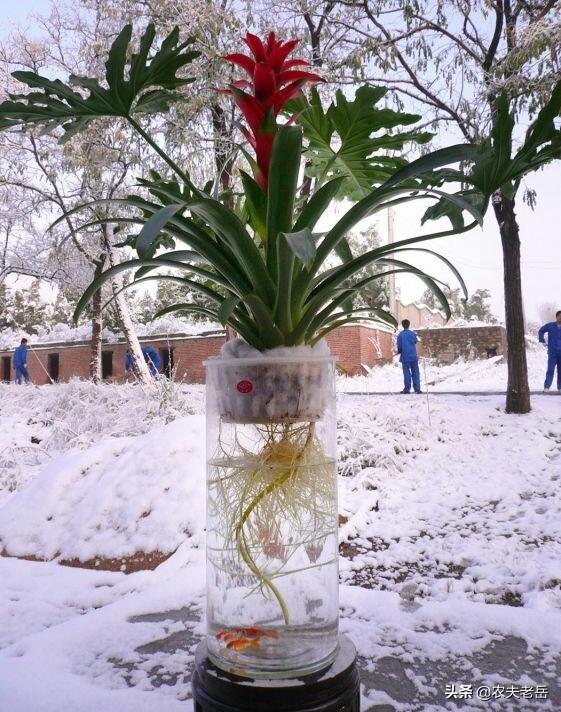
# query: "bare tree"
{"type": "Point", "coordinates": [21, 252]}
{"type": "Point", "coordinates": [96, 164]}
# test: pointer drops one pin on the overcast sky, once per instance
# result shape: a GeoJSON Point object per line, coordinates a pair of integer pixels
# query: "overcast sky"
{"type": "Point", "coordinates": [477, 254]}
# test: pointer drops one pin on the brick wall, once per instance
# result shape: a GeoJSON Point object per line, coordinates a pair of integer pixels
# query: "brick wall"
{"type": "Point", "coordinates": [353, 346]}
{"type": "Point", "coordinates": [470, 342]}
{"type": "Point", "coordinates": [190, 354]}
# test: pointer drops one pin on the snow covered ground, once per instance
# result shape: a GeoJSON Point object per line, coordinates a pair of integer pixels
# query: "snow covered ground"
{"type": "Point", "coordinates": [451, 548]}
{"type": "Point", "coordinates": [481, 375]}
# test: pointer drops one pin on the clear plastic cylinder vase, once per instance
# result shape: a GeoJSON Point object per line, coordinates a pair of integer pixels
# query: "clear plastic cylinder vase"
{"type": "Point", "coordinates": [272, 549]}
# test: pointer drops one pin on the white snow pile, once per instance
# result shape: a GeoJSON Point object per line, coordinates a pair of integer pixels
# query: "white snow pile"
{"type": "Point", "coordinates": [40, 423]}
{"type": "Point", "coordinates": [462, 323]}
{"type": "Point", "coordinates": [118, 498]}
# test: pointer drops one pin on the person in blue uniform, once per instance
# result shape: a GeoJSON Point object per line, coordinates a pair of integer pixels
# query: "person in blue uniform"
{"type": "Point", "coordinates": [151, 356]}
{"type": "Point", "coordinates": [20, 363]}
{"type": "Point", "coordinates": [553, 331]}
{"type": "Point", "coordinates": [407, 350]}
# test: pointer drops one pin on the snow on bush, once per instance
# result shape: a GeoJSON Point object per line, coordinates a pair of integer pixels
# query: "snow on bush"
{"type": "Point", "coordinates": [43, 422]}
{"type": "Point", "coordinates": [125, 495]}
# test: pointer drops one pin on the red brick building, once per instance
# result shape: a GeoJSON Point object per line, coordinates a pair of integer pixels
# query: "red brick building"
{"type": "Point", "coordinates": [184, 355]}
{"type": "Point", "coordinates": [354, 346]}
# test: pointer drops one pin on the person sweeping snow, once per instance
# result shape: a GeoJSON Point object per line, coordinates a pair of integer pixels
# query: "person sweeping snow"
{"type": "Point", "coordinates": [553, 331]}
{"type": "Point", "coordinates": [151, 356]}
{"type": "Point", "coordinates": [407, 350]}
{"type": "Point", "coordinates": [20, 363]}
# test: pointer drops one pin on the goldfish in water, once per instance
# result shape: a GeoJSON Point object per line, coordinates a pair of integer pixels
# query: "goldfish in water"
{"type": "Point", "coordinates": [240, 644]}
{"type": "Point", "coordinates": [244, 638]}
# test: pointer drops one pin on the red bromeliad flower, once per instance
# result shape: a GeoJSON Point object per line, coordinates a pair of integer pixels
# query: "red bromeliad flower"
{"type": "Point", "coordinates": [273, 81]}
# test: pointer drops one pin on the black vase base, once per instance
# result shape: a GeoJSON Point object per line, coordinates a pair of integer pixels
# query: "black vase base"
{"type": "Point", "coordinates": [335, 689]}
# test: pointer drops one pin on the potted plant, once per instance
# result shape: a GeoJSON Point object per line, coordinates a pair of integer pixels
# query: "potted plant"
{"type": "Point", "coordinates": [267, 273]}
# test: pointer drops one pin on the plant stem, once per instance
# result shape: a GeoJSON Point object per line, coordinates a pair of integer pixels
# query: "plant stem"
{"type": "Point", "coordinates": [150, 141]}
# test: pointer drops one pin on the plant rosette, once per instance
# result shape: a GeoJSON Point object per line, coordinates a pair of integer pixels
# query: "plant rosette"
{"type": "Point", "coordinates": [281, 385]}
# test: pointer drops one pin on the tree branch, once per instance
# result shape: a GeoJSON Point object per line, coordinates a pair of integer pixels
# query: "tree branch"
{"type": "Point", "coordinates": [492, 50]}
{"type": "Point", "coordinates": [436, 102]}
{"type": "Point", "coordinates": [443, 31]}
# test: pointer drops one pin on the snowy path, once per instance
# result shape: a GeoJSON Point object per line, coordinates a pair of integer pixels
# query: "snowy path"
{"type": "Point", "coordinates": [450, 568]}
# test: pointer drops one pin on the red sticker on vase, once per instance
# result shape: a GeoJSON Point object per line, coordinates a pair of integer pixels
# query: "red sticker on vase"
{"type": "Point", "coordinates": [244, 386]}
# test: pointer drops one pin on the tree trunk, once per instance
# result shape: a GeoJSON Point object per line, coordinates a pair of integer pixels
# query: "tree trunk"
{"type": "Point", "coordinates": [223, 156]}
{"type": "Point", "coordinates": [123, 314]}
{"type": "Point", "coordinates": [518, 392]}
{"type": "Point", "coordinates": [97, 327]}
{"type": "Point", "coordinates": [224, 163]}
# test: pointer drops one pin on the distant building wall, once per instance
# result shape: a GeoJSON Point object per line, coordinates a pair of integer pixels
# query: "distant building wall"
{"type": "Point", "coordinates": [419, 315]}
{"type": "Point", "coordinates": [354, 346]}
{"type": "Point", "coordinates": [468, 342]}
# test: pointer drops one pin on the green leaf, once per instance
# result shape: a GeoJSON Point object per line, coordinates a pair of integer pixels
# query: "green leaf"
{"type": "Point", "coordinates": [186, 231]}
{"type": "Point", "coordinates": [318, 204]}
{"type": "Point", "coordinates": [302, 245]}
{"type": "Point", "coordinates": [112, 272]}
{"type": "Point", "coordinates": [150, 87]}
{"type": "Point", "coordinates": [189, 283]}
{"type": "Point", "coordinates": [333, 288]}
{"type": "Point", "coordinates": [151, 230]}
{"type": "Point", "coordinates": [440, 257]}
{"type": "Point", "coordinates": [454, 211]}
{"type": "Point", "coordinates": [269, 333]}
{"type": "Point", "coordinates": [342, 322]}
{"type": "Point", "coordinates": [283, 182]}
{"type": "Point", "coordinates": [226, 309]}
{"type": "Point", "coordinates": [353, 137]}
{"type": "Point", "coordinates": [461, 202]}
{"type": "Point", "coordinates": [368, 205]}
{"type": "Point", "coordinates": [332, 279]}
{"type": "Point", "coordinates": [182, 259]}
{"type": "Point", "coordinates": [381, 315]}
{"type": "Point", "coordinates": [498, 169]}
{"type": "Point", "coordinates": [187, 307]}
{"type": "Point", "coordinates": [256, 202]}
{"type": "Point", "coordinates": [248, 257]}
{"type": "Point", "coordinates": [490, 171]}
{"type": "Point", "coordinates": [312, 212]}
{"type": "Point", "coordinates": [166, 191]}
{"type": "Point", "coordinates": [248, 334]}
